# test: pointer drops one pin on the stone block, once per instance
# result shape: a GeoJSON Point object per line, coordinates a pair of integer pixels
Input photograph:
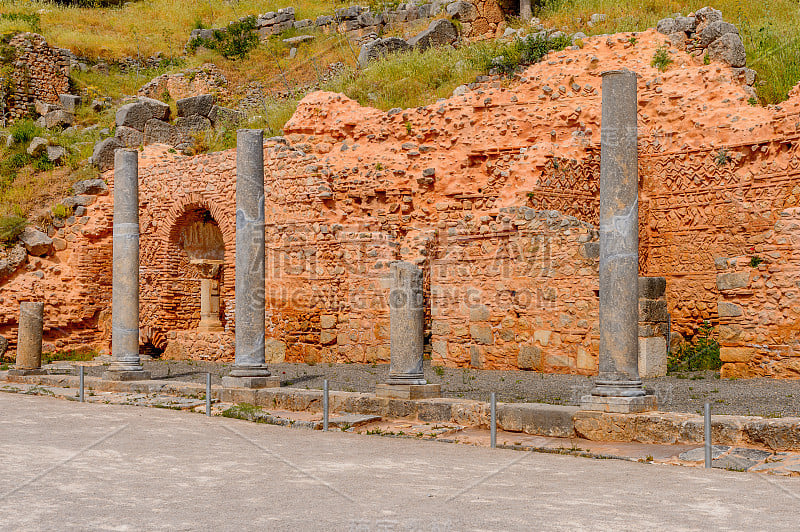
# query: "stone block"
{"type": "Point", "coordinates": [462, 11]}
{"type": "Point", "coordinates": [129, 137]}
{"type": "Point", "coordinates": [408, 391]}
{"type": "Point", "coordinates": [585, 360]}
{"type": "Point", "coordinates": [728, 310]}
{"type": "Point", "coordinates": [653, 310]}
{"type": "Point", "coordinates": [380, 47]}
{"type": "Point", "coordinates": [620, 405]}
{"type": "Point", "coordinates": [160, 132]}
{"type": "Point", "coordinates": [782, 434]}
{"type": "Point", "coordinates": [196, 105]}
{"type": "Point", "coordinates": [103, 154]}
{"type": "Point", "coordinates": [56, 154]}
{"type": "Point", "coordinates": [134, 115]}
{"type": "Point", "coordinates": [90, 187]}
{"type": "Point", "coordinates": [188, 125]}
{"type": "Point", "coordinates": [158, 109]}
{"type": "Point", "coordinates": [126, 375]}
{"type": "Point", "coordinates": [434, 411]}
{"type": "Point", "coordinates": [223, 115]}
{"type": "Point", "coordinates": [736, 354]}
{"type": "Point", "coordinates": [274, 351]}
{"type": "Point", "coordinates": [70, 102]}
{"type": "Point", "coordinates": [481, 334]}
{"type": "Point", "coordinates": [251, 382]}
{"type": "Point", "coordinates": [36, 242]}
{"type": "Point", "coordinates": [479, 313]}
{"type": "Point", "coordinates": [652, 357]}
{"type": "Point", "coordinates": [729, 49]}
{"type": "Point", "coordinates": [58, 118]}
{"type": "Point", "coordinates": [440, 32]}
{"type": "Point", "coordinates": [543, 337]}
{"type": "Point", "coordinates": [537, 418]}
{"type": "Point", "coordinates": [529, 357]}
{"type": "Point", "coordinates": [652, 287]}
{"type": "Point", "coordinates": [21, 372]}
{"type": "Point", "coordinates": [714, 31]}
{"type": "Point", "coordinates": [732, 281]}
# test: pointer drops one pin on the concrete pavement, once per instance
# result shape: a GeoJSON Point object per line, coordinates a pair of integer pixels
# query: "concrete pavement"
{"type": "Point", "coordinates": [71, 466]}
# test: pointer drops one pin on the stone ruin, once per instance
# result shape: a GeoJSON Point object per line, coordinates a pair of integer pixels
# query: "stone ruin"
{"type": "Point", "coordinates": [493, 193]}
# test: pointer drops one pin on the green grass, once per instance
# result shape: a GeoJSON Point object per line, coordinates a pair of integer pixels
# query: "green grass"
{"type": "Point", "coordinates": [768, 29]}
{"type": "Point", "coordinates": [73, 356]}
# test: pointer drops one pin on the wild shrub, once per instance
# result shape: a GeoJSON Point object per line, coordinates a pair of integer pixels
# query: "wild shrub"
{"type": "Point", "coordinates": [234, 42]}
{"type": "Point", "coordinates": [661, 60]}
{"type": "Point", "coordinates": [701, 354]}
{"type": "Point", "coordinates": [24, 131]}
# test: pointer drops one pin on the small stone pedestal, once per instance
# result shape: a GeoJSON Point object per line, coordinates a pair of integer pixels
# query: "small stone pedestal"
{"type": "Point", "coordinates": [408, 391]}
{"type": "Point", "coordinates": [619, 405]}
{"type": "Point", "coordinates": [251, 382]}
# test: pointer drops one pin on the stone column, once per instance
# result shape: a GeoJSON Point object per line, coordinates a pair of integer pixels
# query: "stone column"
{"type": "Point", "coordinates": [125, 364]}
{"type": "Point", "coordinates": [249, 370]}
{"type": "Point", "coordinates": [618, 387]}
{"type": "Point", "coordinates": [29, 340]}
{"type": "Point", "coordinates": [525, 12]}
{"type": "Point", "coordinates": [407, 336]}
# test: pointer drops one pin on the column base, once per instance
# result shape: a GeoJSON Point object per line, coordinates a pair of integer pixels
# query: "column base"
{"type": "Point", "coordinates": [22, 372]}
{"type": "Point", "coordinates": [408, 391]}
{"type": "Point", "coordinates": [619, 405]}
{"type": "Point", "coordinates": [134, 375]}
{"type": "Point", "coordinates": [251, 382]}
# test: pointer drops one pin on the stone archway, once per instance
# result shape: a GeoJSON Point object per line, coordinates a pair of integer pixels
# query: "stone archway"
{"type": "Point", "coordinates": [197, 234]}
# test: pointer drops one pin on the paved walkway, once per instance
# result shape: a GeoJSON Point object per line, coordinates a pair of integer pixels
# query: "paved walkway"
{"type": "Point", "coordinates": [76, 466]}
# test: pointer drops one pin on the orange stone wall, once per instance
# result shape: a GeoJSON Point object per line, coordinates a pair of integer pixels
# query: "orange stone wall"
{"type": "Point", "coordinates": [466, 188]}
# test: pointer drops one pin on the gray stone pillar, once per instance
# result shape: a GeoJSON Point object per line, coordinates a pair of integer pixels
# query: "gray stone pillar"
{"type": "Point", "coordinates": [29, 340]}
{"type": "Point", "coordinates": [525, 12]}
{"type": "Point", "coordinates": [249, 370]}
{"type": "Point", "coordinates": [125, 364]}
{"type": "Point", "coordinates": [407, 336]}
{"type": "Point", "coordinates": [618, 387]}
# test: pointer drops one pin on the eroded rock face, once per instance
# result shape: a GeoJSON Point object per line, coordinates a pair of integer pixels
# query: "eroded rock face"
{"type": "Point", "coordinates": [729, 49]}
{"type": "Point", "coordinates": [159, 132]}
{"type": "Point", "coordinates": [158, 109]}
{"type": "Point", "coordinates": [11, 260]}
{"type": "Point", "coordinates": [129, 137]}
{"type": "Point", "coordinates": [37, 147]}
{"type": "Point", "coordinates": [380, 47]}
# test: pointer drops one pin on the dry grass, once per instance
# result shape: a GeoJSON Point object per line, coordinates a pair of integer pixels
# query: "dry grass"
{"type": "Point", "coordinates": [148, 26]}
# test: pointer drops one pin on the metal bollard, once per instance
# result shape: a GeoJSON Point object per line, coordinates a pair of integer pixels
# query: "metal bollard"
{"type": "Point", "coordinates": [707, 427]}
{"type": "Point", "coordinates": [208, 394]}
{"type": "Point", "coordinates": [80, 393]}
{"type": "Point", "coordinates": [493, 422]}
{"type": "Point", "coordinates": [325, 405]}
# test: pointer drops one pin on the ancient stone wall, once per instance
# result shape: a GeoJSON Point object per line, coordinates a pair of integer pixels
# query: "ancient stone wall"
{"type": "Point", "coordinates": [493, 192]}
{"type": "Point", "coordinates": [40, 73]}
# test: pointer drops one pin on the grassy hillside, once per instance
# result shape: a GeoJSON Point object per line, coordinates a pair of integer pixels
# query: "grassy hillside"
{"type": "Point", "coordinates": [146, 27]}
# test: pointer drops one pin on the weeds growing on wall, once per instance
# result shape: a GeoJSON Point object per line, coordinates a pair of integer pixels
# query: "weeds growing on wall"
{"type": "Point", "coordinates": [519, 52]}
{"type": "Point", "coordinates": [700, 354]}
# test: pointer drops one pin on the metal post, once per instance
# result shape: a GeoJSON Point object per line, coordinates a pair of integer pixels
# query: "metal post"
{"type": "Point", "coordinates": [325, 405]}
{"type": "Point", "coordinates": [80, 393]}
{"type": "Point", "coordinates": [669, 332]}
{"type": "Point", "coordinates": [708, 434]}
{"type": "Point", "coordinates": [208, 394]}
{"type": "Point", "coordinates": [493, 422]}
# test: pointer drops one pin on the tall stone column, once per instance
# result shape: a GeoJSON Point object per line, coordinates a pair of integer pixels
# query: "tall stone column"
{"type": "Point", "coordinates": [618, 387]}
{"type": "Point", "coordinates": [407, 336]}
{"type": "Point", "coordinates": [29, 340]}
{"type": "Point", "coordinates": [249, 370]}
{"type": "Point", "coordinates": [125, 364]}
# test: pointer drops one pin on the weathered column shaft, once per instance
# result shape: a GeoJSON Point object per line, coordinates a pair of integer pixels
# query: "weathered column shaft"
{"type": "Point", "coordinates": [619, 239]}
{"type": "Point", "coordinates": [406, 324]}
{"type": "Point", "coordinates": [525, 11]}
{"type": "Point", "coordinates": [250, 282]}
{"type": "Point", "coordinates": [209, 306]}
{"type": "Point", "coordinates": [125, 290]}
{"type": "Point", "coordinates": [29, 339]}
